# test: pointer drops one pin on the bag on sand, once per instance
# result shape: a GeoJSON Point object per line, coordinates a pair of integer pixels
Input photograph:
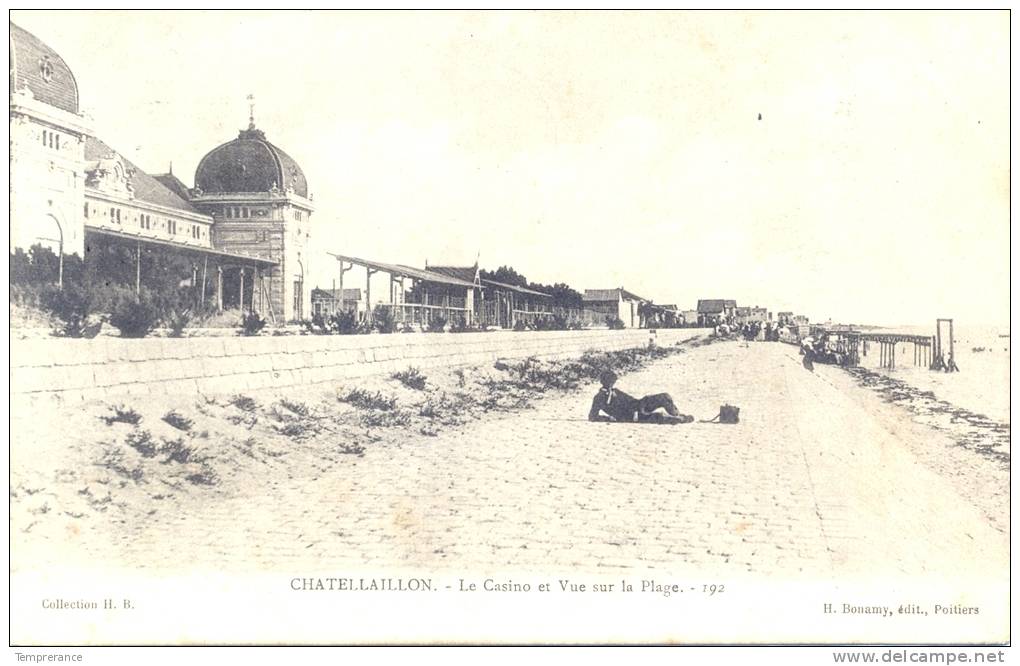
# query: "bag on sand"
{"type": "Point", "coordinates": [729, 414]}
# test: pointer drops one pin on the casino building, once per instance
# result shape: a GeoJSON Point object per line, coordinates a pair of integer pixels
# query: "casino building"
{"type": "Point", "coordinates": [244, 226]}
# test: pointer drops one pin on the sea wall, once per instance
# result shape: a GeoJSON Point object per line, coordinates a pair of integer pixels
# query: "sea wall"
{"type": "Point", "coordinates": [77, 370]}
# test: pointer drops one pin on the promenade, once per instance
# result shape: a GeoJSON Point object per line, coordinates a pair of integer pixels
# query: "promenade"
{"type": "Point", "coordinates": [819, 479]}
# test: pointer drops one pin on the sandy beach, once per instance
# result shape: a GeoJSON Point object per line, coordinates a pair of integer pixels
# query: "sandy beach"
{"type": "Point", "coordinates": [822, 477]}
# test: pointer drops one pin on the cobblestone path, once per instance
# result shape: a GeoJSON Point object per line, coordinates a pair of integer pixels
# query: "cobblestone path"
{"type": "Point", "coordinates": [815, 480]}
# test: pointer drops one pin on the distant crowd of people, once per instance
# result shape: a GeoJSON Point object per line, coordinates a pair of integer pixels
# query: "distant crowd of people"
{"type": "Point", "coordinates": [751, 331]}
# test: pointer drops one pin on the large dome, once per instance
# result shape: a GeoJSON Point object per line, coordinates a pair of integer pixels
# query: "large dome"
{"type": "Point", "coordinates": [39, 69]}
{"type": "Point", "coordinates": [249, 163]}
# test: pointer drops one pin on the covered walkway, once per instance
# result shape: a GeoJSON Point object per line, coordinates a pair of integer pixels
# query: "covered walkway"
{"type": "Point", "coordinates": [226, 279]}
{"type": "Point", "coordinates": [431, 295]}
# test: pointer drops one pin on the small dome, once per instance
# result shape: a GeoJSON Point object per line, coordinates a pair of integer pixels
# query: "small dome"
{"type": "Point", "coordinates": [39, 69]}
{"type": "Point", "coordinates": [249, 163]}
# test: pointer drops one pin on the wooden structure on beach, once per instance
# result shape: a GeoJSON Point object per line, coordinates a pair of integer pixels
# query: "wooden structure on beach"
{"type": "Point", "coordinates": [851, 345]}
{"type": "Point", "coordinates": [498, 303]}
{"type": "Point", "coordinates": [432, 295]}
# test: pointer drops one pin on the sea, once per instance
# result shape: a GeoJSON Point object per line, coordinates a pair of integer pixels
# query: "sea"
{"type": "Point", "coordinates": [982, 354]}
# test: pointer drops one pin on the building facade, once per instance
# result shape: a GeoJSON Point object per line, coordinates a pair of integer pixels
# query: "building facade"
{"type": "Point", "coordinates": [47, 144]}
{"type": "Point", "coordinates": [618, 303]}
{"type": "Point", "coordinates": [245, 226]}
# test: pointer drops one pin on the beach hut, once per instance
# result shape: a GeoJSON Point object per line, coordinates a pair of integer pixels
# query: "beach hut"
{"type": "Point", "coordinates": [715, 311]}
{"type": "Point", "coordinates": [326, 302]}
{"type": "Point", "coordinates": [618, 303]}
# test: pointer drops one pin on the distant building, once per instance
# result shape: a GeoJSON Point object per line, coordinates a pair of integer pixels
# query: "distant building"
{"type": "Point", "coordinates": [326, 302]}
{"type": "Point", "coordinates": [690, 317]}
{"type": "Point", "coordinates": [784, 318]}
{"type": "Point", "coordinates": [800, 320]}
{"type": "Point", "coordinates": [751, 315]}
{"type": "Point", "coordinates": [618, 303]}
{"type": "Point", "coordinates": [712, 312]}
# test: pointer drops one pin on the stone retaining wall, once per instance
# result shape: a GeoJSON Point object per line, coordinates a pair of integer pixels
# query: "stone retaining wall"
{"type": "Point", "coordinates": [76, 370]}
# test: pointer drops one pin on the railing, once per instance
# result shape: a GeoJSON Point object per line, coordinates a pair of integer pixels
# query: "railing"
{"type": "Point", "coordinates": [422, 314]}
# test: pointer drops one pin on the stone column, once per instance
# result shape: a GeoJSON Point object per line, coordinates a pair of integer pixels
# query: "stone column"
{"type": "Point", "coordinates": [219, 288]}
{"type": "Point", "coordinates": [240, 292]}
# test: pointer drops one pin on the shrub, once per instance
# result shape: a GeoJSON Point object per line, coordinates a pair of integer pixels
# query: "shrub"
{"type": "Point", "coordinates": [411, 378]}
{"type": "Point", "coordinates": [461, 326]}
{"type": "Point", "coordinates": [362, 398]}
{"type": "Point", "coordinates": [122, 414]}
{"type": "Point", "coordinates": [554, 323]}
{"type": "Point", "coordinates": [437, 325]}
{"type": "Point", "coordinates": [177, 319]}
{"type": "Point", "coordinates": [134, 317]}
{"type": "Point", "coordinates": [299, 408]}
{"type": "Point", "coordinates": [386, 419]}
{"type": "Point", "coordinates": [141, 441]}
{"type": "Point", "coordinates": [178, 421]}
{"type": "Point", "coordinates": [207, 477]}
{"type": "Point", "coordinates": [383, 321]}
{"type": "Point", "coordinates": [178, 309]}
{"type": "Point", "coordinates": [354, 449]}
{"type": "Point", "coordinates": [344, 322]}
{"type": "Point", "coordinates": [295, 429]}
{"type": "Point", "coordinates": [113, 459]}
{"type": "Point", "coordinates": [244, 403]}
{"type": "Point", "coordinates": [519, 325]}
{"type": "Point", "coordinates": [252, 323]}
{"type": "Point", "coordinates": [318, 325]}
{"type": "Point", "coordinates": [177, 451]}
{"type": "Point", "coordinates": [614, 323]}
{"type": "Point", "coordinates": [71, 305]}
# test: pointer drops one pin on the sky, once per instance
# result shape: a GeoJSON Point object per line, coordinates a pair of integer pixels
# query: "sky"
{"type": "Point", "coordinates": [847, 166]}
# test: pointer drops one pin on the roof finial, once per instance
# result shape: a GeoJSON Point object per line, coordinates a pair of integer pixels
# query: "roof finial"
{"type": "Point", "coordinates": [171, 167]}
{"type": "Point", "coordinates": [251, 111]}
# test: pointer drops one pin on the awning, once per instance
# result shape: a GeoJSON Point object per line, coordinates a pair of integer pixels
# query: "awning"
{"type": "Point", "coordinates": [399, 270]}
{"type": "Point", "coordinates": [120, 235]}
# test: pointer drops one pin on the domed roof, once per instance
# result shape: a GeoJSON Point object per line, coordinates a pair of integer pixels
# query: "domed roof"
{"type": "Point", "coordinates": [41, 70]}
{"type": "Point", "coordinates": [249, 163]}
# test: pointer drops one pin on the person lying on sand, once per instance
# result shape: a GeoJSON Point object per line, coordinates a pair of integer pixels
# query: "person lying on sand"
{"type": "Point", "coordinates": [611, 404]}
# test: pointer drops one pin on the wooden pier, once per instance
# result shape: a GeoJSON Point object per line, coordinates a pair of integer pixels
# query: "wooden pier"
{"type": "Point", "coordinates": [852, 345]}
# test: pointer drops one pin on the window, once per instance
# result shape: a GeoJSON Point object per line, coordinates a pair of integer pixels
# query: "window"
{"type": "Point", "coordinates": [245, 212]}
{"type": "Point", "coordinates": [171, 226]}
{"type": "Point", "coordinates": [118, 216]}
{"type": "Point", "coordinates": [58, 142]}
{"type": "Point", "coordinates": [194, 231]}
{"type": "Point", "coordinates": [44, 135]}
{"type": "Point", "coordinates": [86, 210]}
{"type": "Point", "coordinates": [297, 215]}
{"type": "Point", "coordinates": [226, 212]}
{"type": "Point", "coordinates": [113, 216]}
